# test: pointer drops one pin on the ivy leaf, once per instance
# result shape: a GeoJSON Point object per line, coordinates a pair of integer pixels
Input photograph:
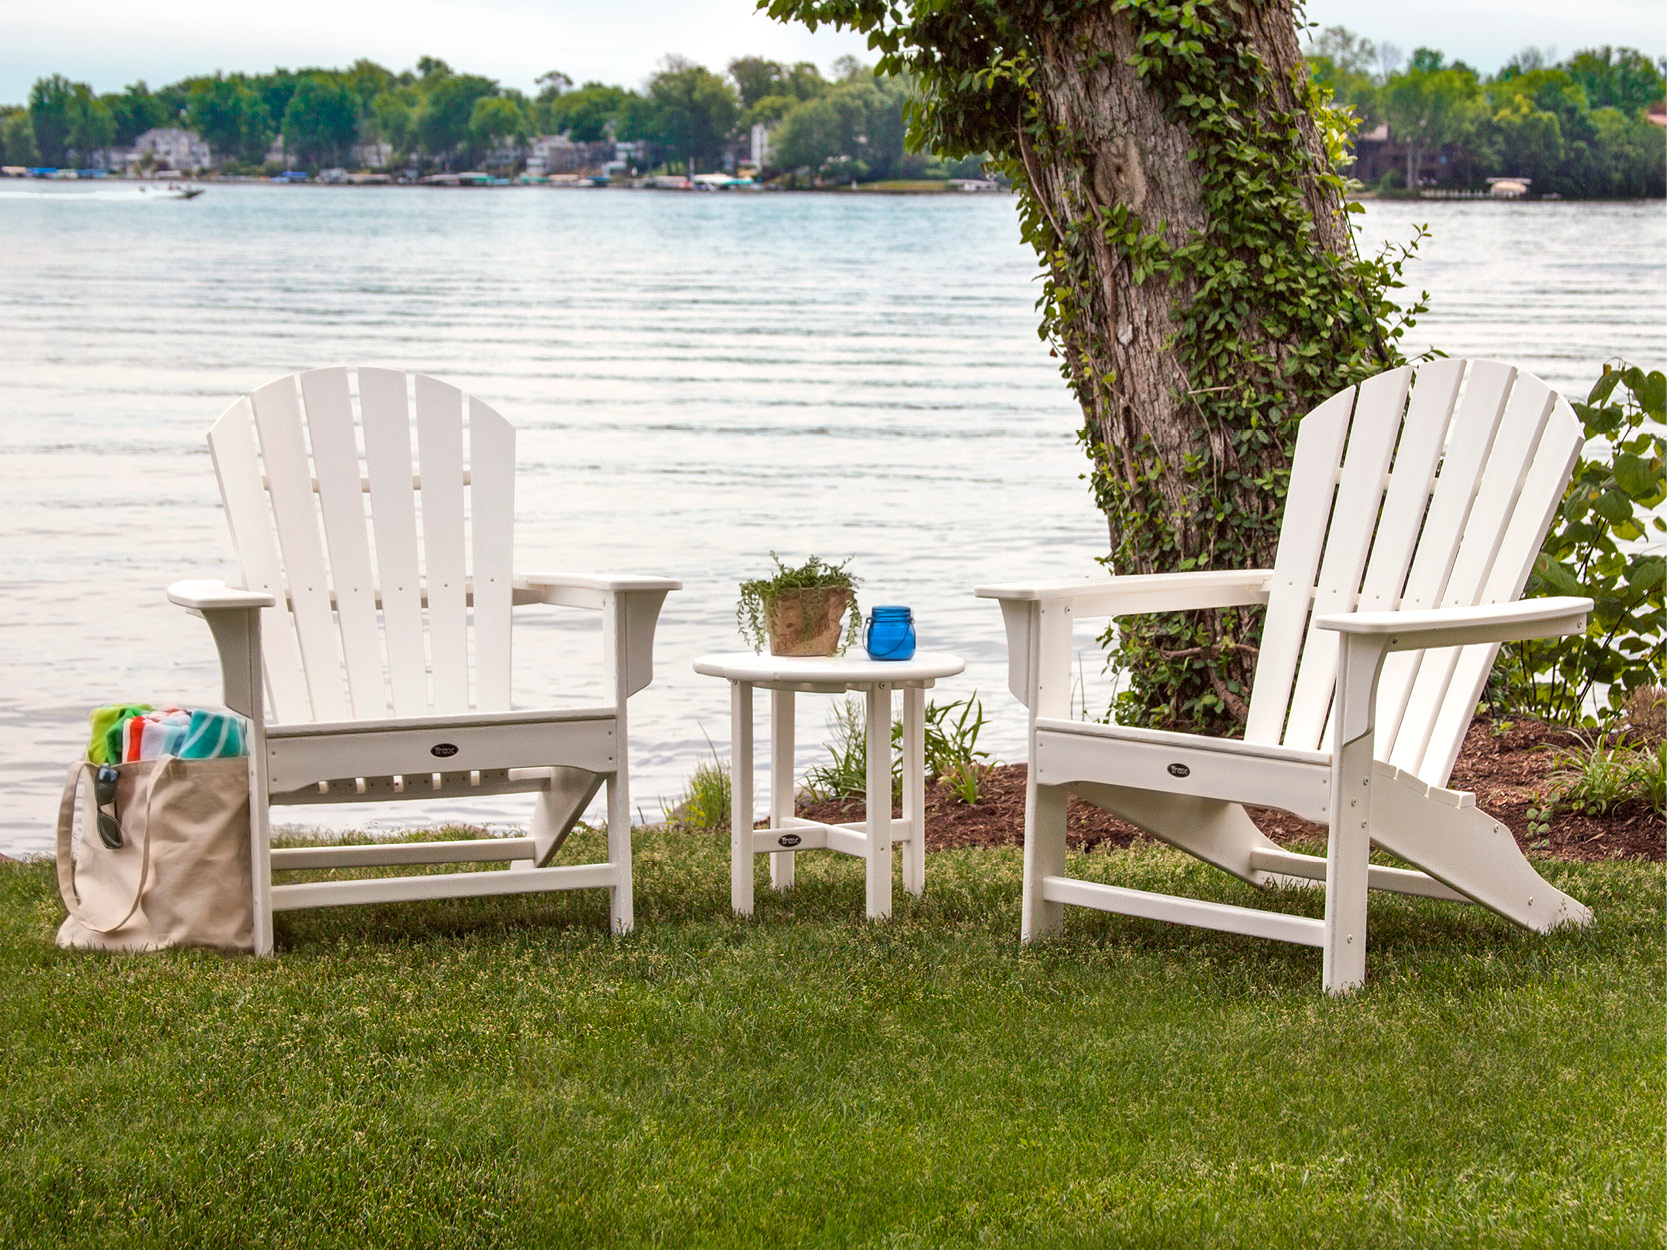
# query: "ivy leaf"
{"type": "Point", "coordinates": [1647, 573]}
{"type": "Point", "coordinates": [1636, 476]}
{"type": "Point", "coordinates": [1605, 387]}
{"type": "Point", "coordinates": [1614, 507]}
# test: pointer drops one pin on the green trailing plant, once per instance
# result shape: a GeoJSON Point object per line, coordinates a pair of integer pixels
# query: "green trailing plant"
{"type": "Point", "coordinates": [752, 611]}
{"type": "Point", "coordinates": [1194, 336]}
{"type": "Point", "coordinates": [1610, 506]}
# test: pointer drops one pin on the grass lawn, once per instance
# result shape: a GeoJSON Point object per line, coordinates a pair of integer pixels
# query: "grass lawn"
{"type": "Point", "coordinates": [497, 1072]}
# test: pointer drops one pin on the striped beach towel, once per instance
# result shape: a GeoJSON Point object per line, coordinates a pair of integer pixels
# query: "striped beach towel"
{"type": "Point", "coordinates": [189, 734]}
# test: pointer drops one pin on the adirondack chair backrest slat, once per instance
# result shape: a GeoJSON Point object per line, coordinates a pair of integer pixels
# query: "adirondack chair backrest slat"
{"type": "Point", "coordinates": [231, 443]}
{"type": "Point", "coordinates": [1405, 502]}
{"type": "Point", "coordinates": [283, 451]}
{"type": "Point", "coordinates": [1536, 503]}
{"type": "Point", "coordinates": [385, 412]}
{"type": "Point", "coordinates": [1378, 408]}
{"type": "Point", "coordinates": [1487, 385]}
{"type": "Point", "coordinates": [1407, 497]}
{"type": "Point", "coordinates": [376, 617]}
{"type": "Point", "coordinates": [1308, 500]}
{"type": "Point", "coordinates": [342, 504]}
{"type": "Point", "coordinates": [1408, 536]}
{"type": "Point", "coordinates": [440, 452]}
{"type": "Point", "coordinates": [491, 531]}
{"type": "Point", "coordinates": [1496, 495]}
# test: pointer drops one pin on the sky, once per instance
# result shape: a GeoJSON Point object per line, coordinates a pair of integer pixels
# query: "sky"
{"type": "Point", "coordinates": [110, 43]}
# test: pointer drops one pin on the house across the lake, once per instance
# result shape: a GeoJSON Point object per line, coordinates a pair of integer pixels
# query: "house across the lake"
{"type": "Point", "coordinates": [172, 148]}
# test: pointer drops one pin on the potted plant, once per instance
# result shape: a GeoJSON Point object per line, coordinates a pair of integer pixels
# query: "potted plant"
{"type": "Point", "coordinates": [800, 611]}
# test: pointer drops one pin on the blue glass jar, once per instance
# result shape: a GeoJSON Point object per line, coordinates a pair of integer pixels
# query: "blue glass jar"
{"type": "Point", "coordinates": [890, 634]}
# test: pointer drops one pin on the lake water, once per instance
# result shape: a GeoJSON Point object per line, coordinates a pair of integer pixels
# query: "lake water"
{"type": "Point", "coordinates": [696, 380]}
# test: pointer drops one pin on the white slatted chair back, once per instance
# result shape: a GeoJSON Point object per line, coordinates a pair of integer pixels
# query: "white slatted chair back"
{"type": "Point", "coordinates": [392, 572]}
{"type": "Point", "coordinates": [1428, 488]}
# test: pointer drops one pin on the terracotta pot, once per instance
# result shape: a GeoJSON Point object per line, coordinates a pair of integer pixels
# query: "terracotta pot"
{"type": "Point", "coordinates": [807, 622]}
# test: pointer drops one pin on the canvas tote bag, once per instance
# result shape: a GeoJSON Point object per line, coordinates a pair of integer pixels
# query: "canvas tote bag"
{"type": "Point", "coordinates": [181, 876]}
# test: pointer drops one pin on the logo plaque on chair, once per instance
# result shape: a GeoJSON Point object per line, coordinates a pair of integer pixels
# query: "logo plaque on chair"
{"type": "Point", "coordinates": [1175, 770]}
{"type": "Point", "coordinates": [443, 750]}
{"type": "Point", "coordinates": [789, 839]}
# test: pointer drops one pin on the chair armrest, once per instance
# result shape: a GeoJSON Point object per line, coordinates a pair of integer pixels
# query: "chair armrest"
{"type": "Point", "coordinates": [585, 590]}
{"type": "Point", "coordinates": [1457, 626]}
{"type": "Point", "coordinates": [233, 617]}
{"type": "Point", "coordinates": [205, 595]}
{"type": "Point", "coordinates": [1143, 592]}
{"type": "Point", "coordinates": [628, 630]}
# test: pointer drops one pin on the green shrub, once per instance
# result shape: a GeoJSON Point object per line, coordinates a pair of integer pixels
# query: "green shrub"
{"type": "Point", "coordinates": [952, 752]}
{"type": "Point", "coordinates": [1602, 774]}
{"type": "Point", "coordinates": [845, 775]}
{"type": "Point", "coordinates": [1608, 502]}
{"type": "Point", "coordinates": [706, 802]}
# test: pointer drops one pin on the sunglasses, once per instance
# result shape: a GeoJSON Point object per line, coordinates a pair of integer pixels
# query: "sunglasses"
{"type": "Point", "coordinates": [104, 789]}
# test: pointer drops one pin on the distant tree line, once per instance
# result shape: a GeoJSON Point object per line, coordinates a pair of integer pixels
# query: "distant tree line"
{"type": "Point", "coordinates": [850, 125]}
{"type": "Point", "coordinates": [1577, 128]}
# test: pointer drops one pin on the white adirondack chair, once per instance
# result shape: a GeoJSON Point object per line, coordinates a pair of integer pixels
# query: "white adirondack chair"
{"type": "Point", "coordinates": [383, 633]}
{"type": "Point", "coordinates": [1391, 590]}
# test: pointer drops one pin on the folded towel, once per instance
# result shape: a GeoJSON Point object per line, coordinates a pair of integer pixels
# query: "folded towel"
{"type": "Point", "coordinates": [154, 734]}
{"type": "Point", "coordinates": [213, 735]}
{"type": "Point", "coordinates": [105, 746]}
{"type": "Point", "coordinates": [146, 733]}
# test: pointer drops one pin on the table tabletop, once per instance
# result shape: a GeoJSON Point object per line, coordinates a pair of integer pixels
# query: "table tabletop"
{"type": "Point", "coordinates": [850, 672]}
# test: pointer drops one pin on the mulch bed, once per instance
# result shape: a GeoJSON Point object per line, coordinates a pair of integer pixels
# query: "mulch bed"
{"type": "Point", "coordinates": [1506, 770]}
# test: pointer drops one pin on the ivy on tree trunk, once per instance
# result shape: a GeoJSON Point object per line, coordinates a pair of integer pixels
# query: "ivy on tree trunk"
{"type": "Point", "coordinates": [1178, 177]}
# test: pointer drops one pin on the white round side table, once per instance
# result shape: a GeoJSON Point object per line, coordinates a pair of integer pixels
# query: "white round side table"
{"type": "Point", "coordinates": [870, 839]}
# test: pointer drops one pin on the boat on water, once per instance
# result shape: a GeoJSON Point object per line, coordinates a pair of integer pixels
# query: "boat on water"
{"type": "Point", "coordinates": [172, 191]}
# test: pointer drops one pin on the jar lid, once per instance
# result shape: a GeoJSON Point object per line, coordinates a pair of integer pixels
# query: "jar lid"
{"type": "Point", "coordinates": [890, 609]}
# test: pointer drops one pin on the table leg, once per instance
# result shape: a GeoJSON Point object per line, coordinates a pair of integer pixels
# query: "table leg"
{"type": "Point", "coordinates": [781, 782]}
{"type": "Point", "coordinates": [879, 801]}
{"type": "Point", "coordinates": [914, 789]}
{"type": "Point", "coordinates": [740, 797]}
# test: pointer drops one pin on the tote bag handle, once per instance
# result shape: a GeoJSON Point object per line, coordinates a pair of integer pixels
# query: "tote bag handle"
{"type": "Point", "coordinates": [65, 864]}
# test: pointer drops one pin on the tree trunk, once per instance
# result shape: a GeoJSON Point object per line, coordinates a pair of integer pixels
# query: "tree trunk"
{"type": "Point", "coordinates": [1135, 155]}
{"type": "Point", "coordinates": [1171, 409]}
{"type": "Point", "coordinates": [1202, 287]}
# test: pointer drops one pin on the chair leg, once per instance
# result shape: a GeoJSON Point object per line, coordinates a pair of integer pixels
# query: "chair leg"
{"type": "Point", "coordinates": [1348, 856]}
{"type": "Point", "coordinates": [260, 854]}
{"type": "Point", "coordinates": [878, 801]}
{"type": "Point", "coordinates": [914, 789]}
{"type": "Point", "coordinates": [1349, 846]}
{"type": "Point", "coordinates": [1044, 857]}
{"type": "Point", "coordinates": [781, 783]}
{"type": "Point", "coordinates": [740, 798]}
{"type": "Point", "coordinates": [620, 904]}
